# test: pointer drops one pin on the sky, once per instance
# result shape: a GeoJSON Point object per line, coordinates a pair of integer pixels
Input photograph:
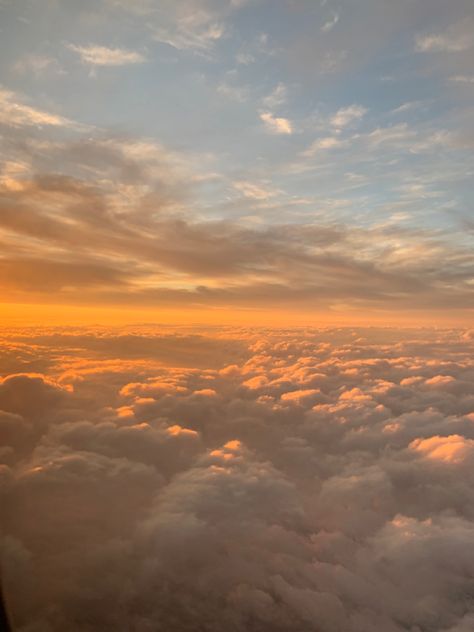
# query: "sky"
{"type": "Point", "coordinates": [236, 161]}
{"type": "Point", "coordinates": [236, 315]}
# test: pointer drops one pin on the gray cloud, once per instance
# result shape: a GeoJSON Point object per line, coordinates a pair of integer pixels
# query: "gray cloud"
{"type": "Point", "coordinates": [138, 241]}
{"type": "Point", "coordinates": [314, 480]}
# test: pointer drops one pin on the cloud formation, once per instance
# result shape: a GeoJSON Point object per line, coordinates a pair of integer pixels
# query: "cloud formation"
{"type": "Point", "coordinates": [103, 56]}
{"type": "Point", "coordinates": [316, 480]}
{"type": "Point", "coordinates": [276, 124]}
{"type": "Point", "coordinates": [15, 113]}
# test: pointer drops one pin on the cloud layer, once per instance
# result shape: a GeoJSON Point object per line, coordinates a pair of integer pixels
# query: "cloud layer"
{"type": "Point", "coordinates": [315, 480]}
{"type": "Point", "coordinates": [117, 226]}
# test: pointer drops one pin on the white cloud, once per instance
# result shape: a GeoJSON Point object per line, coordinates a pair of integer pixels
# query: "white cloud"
{"type": "Point", "coordinates": [104, 56]}
{"type": "Point", "coordinates": [275, 124]}
{"type": "Point", "coordinates": [347, 116]}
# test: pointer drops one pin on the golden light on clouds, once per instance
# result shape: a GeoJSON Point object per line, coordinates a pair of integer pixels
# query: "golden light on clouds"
{"type": "Point", "coordinates": [236, 315]}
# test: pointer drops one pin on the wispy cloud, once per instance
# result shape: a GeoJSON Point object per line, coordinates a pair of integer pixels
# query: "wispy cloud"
{"type": "Point", "coordinates": [277, 97]}
{"type": "Point", "coordinates": [462, 78]}
{"type": "Point", "coordinates": [457, 38]}
{"type": "Point", "coordinates": [347, 116]}
{"type": "Point", "coordinates": [185, 37]}
{"type": "Point", "coordinates": [254, 191]}
{"type": "Point", "coordinates": [103, 56]}
{"type": "Point", "coordinates": [330, 24]}
{"type": "Point", "coordinates": [15, 113]}
{"type": "Point", "coordinates": [38, 65]}
{"type": "Point", "coordinates": [233, 92]}
{"type": "Point", "coordinates": [406, 107]}
{"type": "Point", "coordinates": [275, 124]}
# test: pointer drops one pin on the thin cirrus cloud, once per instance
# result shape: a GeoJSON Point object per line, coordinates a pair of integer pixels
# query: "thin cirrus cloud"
{"type": "Point", "coordinates": [331, 23]}
{"type": "Point", "coordinates": [96, 55]}
{"type": "Point", "coordinates": [456, 38]}
{"type": "Point", "coordinates": [346, 116]}
{"type": "Point", "coordinates": [15, 113]}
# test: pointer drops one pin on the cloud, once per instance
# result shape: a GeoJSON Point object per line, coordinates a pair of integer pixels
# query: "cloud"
{"type": "Point", "coordinates": [331, 23]}
{"type": "Point", "coordinates": [235, 93]}
{"type": "Point", "coordinates": [190, 36]}
{"type": "Point", "coordinates": [277, 97]}
{"type": "Point", "coordinates": [253, 191]}
{"type": "Point", "coordinates": [122, 219]}
{"type": "Point", "coordinates": [462, 79]}
{"type": "Point", "coordinates": [38, 65]}
{"type": "Point", "coordinates": [14, 113]}
{"type": "Point", "coordinates": [457, 38]}
{"type": "Point", "coordinates": [196, 26]}
{"type": "Point", "coordinates": [317, 479]}
{"type": "Point", "coordinates": [328, 142]}
{"type": "Point", "coordinates": [348, 115]}
{"type": "Point", "coordinates": [451, 449]}
{"type": "Point", "coordinates": [103, 56]}
{"type": "Point", "coordinates": [276, 125]}
{"type": "Point", "coordinates": [175, 259]}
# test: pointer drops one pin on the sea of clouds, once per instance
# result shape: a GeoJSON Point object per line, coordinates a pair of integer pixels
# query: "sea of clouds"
{"type": "Point", "coordinates": [237, 480]}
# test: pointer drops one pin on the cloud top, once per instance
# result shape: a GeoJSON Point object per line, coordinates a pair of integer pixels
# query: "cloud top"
{"type": "Point", "coordinates": [310, 479]}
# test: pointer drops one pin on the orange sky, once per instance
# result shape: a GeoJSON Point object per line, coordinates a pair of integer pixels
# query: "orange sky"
{"type": "Point", "coordinates": [38, 314]}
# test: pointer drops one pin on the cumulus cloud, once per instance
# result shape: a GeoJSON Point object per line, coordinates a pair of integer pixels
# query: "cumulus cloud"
{"type": "Point", "coordinates": [312, 479]}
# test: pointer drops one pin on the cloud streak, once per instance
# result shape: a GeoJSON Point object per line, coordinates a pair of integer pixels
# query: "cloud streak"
{"type": "Point", "coordinates": [64, 233]}
{"type": "Point", "coordinates": [96, 55]}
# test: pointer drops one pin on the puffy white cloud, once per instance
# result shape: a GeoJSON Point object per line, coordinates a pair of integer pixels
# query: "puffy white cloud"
{"type": "Point", "coordinates": [309, 480]}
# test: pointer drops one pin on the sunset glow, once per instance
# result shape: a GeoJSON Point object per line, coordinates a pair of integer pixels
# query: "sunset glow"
{"type": "Point", "coordinates": [236, 315]}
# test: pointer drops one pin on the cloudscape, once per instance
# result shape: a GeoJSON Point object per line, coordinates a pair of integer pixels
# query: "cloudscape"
{"type": "Point", "coordinates": [236, 315]}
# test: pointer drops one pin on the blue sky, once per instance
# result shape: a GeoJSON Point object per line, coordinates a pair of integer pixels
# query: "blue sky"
{"type": "Point", "coordinates": [256, 117]}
